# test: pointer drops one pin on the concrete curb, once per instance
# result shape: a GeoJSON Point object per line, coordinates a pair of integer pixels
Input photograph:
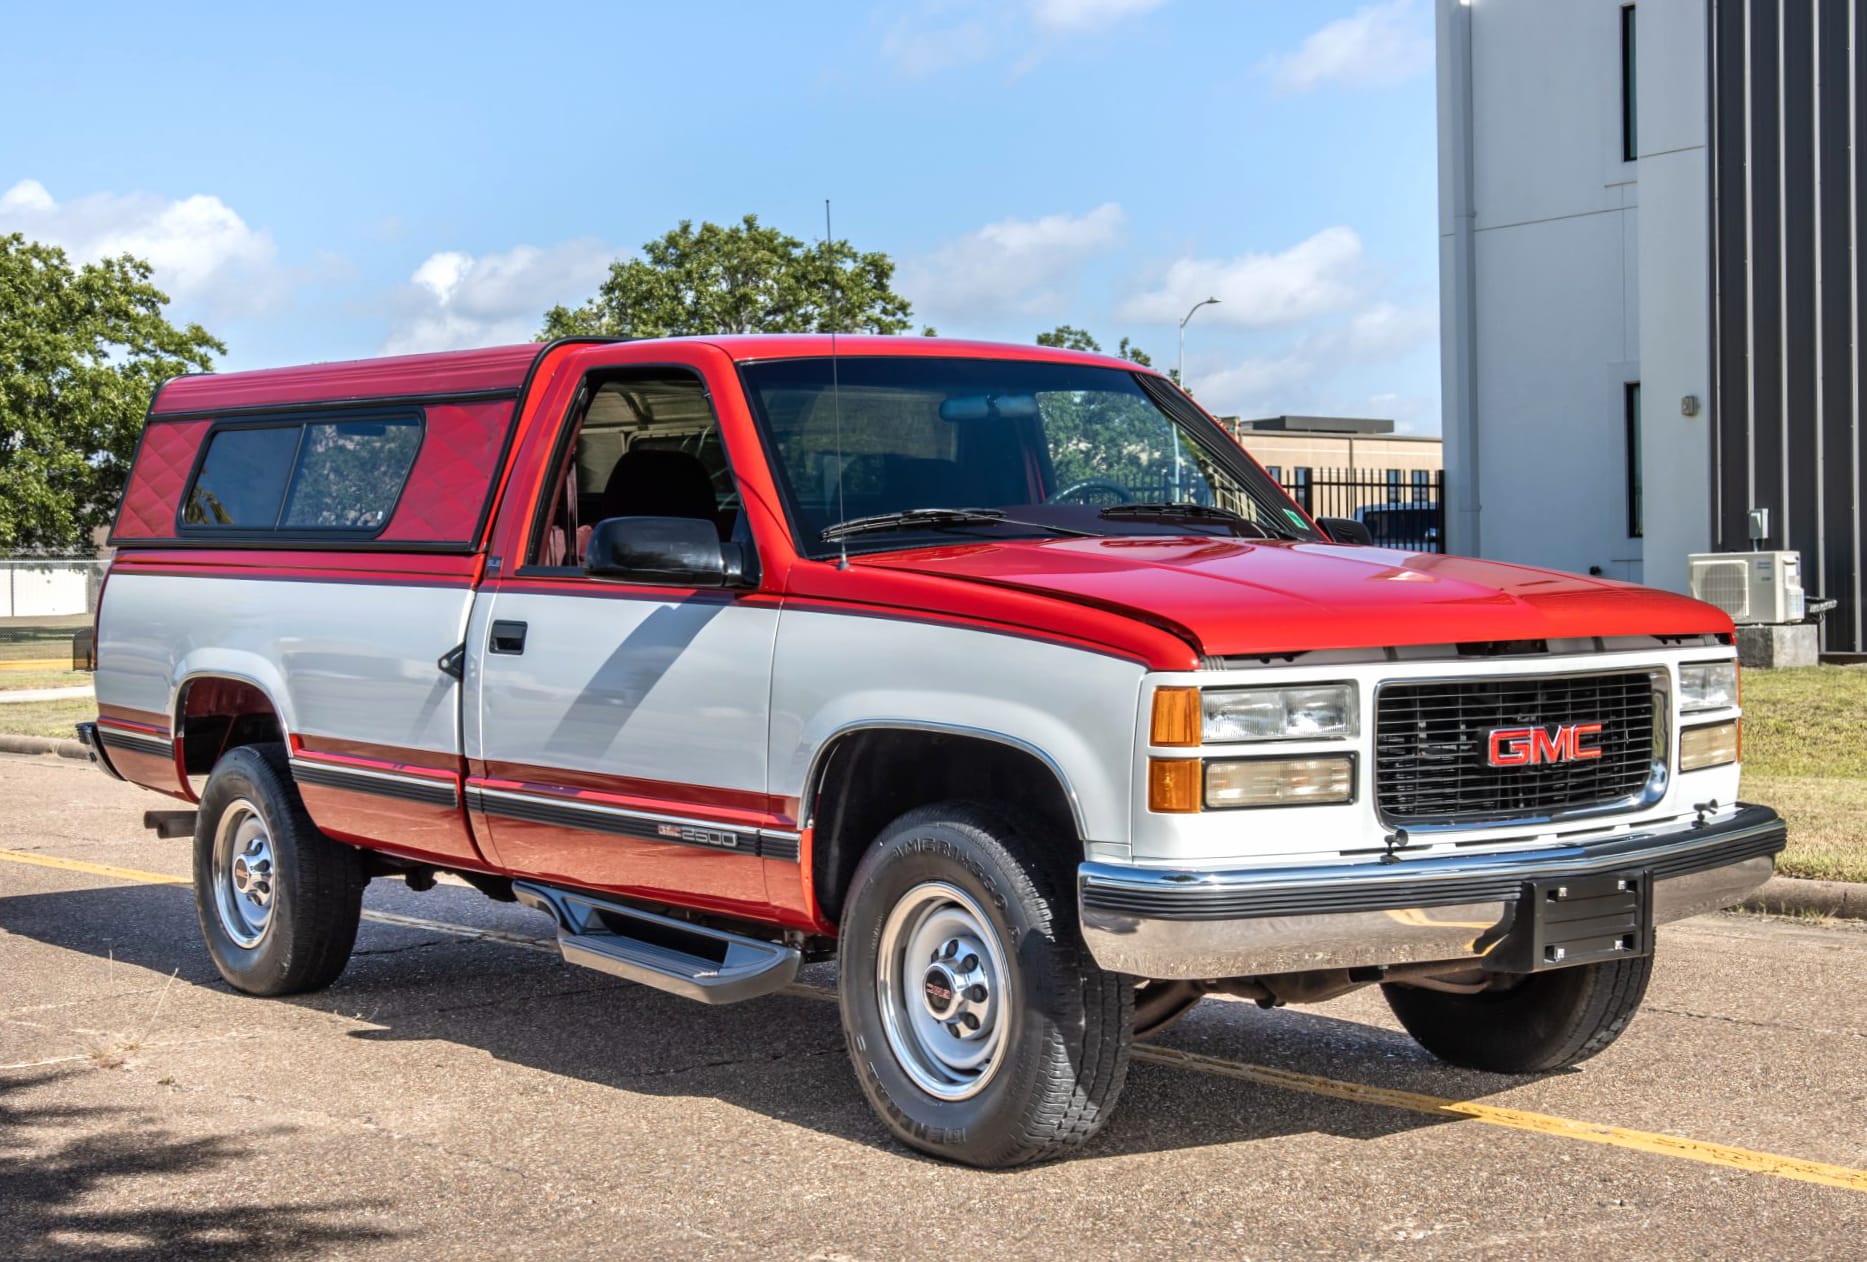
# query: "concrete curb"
{"type": "Point", "coordinates": [1788, 895]}
{"type": "Point", "coordinates": [10, 744]}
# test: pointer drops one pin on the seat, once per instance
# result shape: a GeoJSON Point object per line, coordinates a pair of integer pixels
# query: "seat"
{"type": "Point", "coordinates": [656, 482]}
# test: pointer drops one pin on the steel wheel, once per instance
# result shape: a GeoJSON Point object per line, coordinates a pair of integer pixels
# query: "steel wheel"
{"type": "Point", "coordinates": [944, 991]}
{"type": "Point", "coordinates": [245, 875]}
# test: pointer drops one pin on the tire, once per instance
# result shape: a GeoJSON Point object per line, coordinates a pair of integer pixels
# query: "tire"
{"type": "Point", "coordinates": [1040, 1071]}
{"type": "Point", "coordinates": [1546, 1021]}
{"type": "Point", "coordinates": [278, 901]}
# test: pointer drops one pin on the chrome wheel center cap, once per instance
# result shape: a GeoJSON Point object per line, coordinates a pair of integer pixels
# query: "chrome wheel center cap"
{"type": "Point", "coordinates": [940, 991]}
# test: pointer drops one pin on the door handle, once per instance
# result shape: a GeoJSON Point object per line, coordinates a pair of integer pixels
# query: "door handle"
{"type": "Point", "coordinates": [453, 662]}
{"type": "Point", "coordinates": [507, 637]}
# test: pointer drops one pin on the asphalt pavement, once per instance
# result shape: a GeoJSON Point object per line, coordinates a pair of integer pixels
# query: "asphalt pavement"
{"type": "Point", "coordinates": [461, 1092]}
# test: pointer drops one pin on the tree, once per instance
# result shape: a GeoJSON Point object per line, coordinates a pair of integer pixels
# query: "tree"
{"type": "Point", "coordinates": [743, 279]}
{"type": "Point", "coordinates": [81, 352]}
{"type": "Point", "coordinates": [1070, 338]}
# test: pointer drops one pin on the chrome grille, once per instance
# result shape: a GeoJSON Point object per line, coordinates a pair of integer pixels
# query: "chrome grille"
{"type": "Point", "coordinates": [1431, 747]}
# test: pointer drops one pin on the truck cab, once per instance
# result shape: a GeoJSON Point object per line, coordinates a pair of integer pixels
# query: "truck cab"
{"type": "Point", "coordinates": [1002, 675]}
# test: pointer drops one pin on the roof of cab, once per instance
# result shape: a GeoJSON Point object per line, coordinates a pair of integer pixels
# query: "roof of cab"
{"type": "Point", "coordinates": [505, 369]}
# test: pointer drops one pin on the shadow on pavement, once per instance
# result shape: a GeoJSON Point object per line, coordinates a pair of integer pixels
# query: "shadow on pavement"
{"type": "Point", "coordinates": [782, 1056]}
{"type": "Point", "coordinates": [44, 1189]}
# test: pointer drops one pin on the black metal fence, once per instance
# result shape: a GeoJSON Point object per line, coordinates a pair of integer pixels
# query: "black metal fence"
{"type": "Point", "coordinates": [1402, 508]}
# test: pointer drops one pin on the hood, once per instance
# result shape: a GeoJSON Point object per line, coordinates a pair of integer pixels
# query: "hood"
{"type": "Point", "coordinates": [1237, 597]}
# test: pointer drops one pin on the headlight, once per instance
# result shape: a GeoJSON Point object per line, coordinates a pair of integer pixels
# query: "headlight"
{"type": "Point", "coordinates": [1707, 686]}
{"type": "Point", "coordinates": [1713, 745]}
{"type": "Point", "coordinates": [1234, 782]}
{"type": "Point", "coordinates": [1317, 712]}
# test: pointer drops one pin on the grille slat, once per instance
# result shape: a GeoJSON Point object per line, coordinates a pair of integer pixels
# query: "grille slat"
{"type": "Point", "coordinates": [1431, 741]}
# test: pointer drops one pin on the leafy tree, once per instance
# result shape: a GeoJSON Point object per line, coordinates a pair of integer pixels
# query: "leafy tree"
{"type": "Point", "coordinates": [746, 278]}
{"type": "Point", "coordinates": [81, 352]}
{"type": "Point", "coordinates": [1070, 338]}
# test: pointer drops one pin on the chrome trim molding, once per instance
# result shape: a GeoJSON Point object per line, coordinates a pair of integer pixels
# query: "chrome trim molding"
{"type": "Point", "coordinates": [1168, 923]}
{"type": "Point", "coordinates": [135, 742]}
{"type": "Point", "coordinates": [431, 792]}
{"type": "Point", "coordinates": [678, 830]}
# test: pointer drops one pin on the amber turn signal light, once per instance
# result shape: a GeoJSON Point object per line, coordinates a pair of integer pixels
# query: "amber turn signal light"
{"type": "Point", "coordinates": [1173, 785]}
{"type": "Point", "coordinates": [1176, 719]}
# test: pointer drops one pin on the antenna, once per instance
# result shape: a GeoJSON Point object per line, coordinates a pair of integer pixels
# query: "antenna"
{"type": "Point", "coordinates": [836, 394]}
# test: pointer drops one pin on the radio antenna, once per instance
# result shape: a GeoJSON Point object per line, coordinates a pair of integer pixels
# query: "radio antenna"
{"type": "Point", "coordinates": [836, 394]}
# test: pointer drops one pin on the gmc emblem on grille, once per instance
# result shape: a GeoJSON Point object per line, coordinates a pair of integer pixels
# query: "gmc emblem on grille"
{"type": "Point", "coordinates": [1528, 746]}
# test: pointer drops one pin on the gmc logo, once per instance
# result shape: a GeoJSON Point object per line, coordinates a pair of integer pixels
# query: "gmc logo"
{"type": "Point", "coordinates": [1528, 746]}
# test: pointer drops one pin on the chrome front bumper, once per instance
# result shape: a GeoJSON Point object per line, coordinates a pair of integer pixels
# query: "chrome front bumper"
{"type": "Point", "coordinates": [1175, 923]}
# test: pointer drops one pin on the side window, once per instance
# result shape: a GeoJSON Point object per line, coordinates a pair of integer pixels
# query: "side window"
{"type": "Point", "coordinates": [298, 477]}
{"type": "Point", "coordinates": [644, 445]}
{"type": "Point", "coordinates": [242, 479]}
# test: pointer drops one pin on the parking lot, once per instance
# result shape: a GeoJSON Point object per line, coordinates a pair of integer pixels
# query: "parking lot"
{"type": "Point", "coordinates": [461, 1092]}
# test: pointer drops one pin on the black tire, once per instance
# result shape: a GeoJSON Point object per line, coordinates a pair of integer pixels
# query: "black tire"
{"type": "Point", "coordinates": [1546, 1021]}
{"type": "Point", "coordinates": [1063, 1052]}
{"type": "Point", "coordinates": [314, 888]}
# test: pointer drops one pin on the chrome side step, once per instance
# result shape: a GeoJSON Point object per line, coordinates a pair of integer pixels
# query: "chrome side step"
{"type": "Point", "coordinates": [684, 959]}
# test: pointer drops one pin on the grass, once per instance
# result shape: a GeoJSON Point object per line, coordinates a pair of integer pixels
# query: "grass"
{"type": "Point", "coordinates": [1805, 753]}
{"type": "Point", "coordinates": [46, 718]}
{"type": "Point", "coordinates": [13, 680]}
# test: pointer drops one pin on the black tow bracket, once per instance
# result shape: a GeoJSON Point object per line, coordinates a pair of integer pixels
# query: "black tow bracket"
{"type": "Point", "coordinates": [169, 824]}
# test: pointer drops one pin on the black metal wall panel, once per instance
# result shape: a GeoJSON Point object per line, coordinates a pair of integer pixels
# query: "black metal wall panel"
{"type": "Point", "coordinates": [1789, 278]}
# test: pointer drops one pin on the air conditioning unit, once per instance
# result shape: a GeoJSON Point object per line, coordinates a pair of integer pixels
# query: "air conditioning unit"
{"type": "Point", "coordinates": [1753, 587]}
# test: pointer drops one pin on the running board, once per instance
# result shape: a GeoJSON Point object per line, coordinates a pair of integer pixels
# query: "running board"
{"type": "Point", "coordinates": [684, 959]}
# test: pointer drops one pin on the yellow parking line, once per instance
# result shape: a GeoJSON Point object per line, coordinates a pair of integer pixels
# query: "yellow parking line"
{"type": "Point", "coordinates": [1723, 1155]}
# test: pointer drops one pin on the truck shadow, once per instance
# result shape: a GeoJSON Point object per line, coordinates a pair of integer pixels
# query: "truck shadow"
{"type": "Point", "coordinates": [782, 1056]}
{"type": "Point", "coordinates": [57, 1160]}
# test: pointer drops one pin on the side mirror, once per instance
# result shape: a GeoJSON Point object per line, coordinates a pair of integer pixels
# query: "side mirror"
{"type": "Point", "coordinates": [1346, 530]}
{"type": "Point", "coordinates": [666, 551]}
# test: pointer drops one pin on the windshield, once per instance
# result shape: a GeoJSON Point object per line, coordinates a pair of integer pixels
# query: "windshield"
{"type": "Point", "coordinates": [1047, 445]}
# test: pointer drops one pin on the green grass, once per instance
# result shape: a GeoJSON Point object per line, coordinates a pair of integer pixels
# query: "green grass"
{"type": "Point", "coordinates": [46, 718]}
{"type": "Point", "coordinates": [13, 680]}
{"type": "Point", "coordinates": [1805, 753]}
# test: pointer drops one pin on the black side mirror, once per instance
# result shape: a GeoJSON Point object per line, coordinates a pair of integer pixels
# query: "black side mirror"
{"type": "Point", "coordinates": [667, 551]}
{"type": "Point", "coordinates": [1346, 530]}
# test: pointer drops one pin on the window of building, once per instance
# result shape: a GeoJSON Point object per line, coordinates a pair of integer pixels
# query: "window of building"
{"type": "Point", "coordinates": [1393, 486]}
{"type": "Point", "coordinates": [1422, 486]}
{"type": "Point", "coordinates": [1630, 132]}
{"type": "Point", "coordinates": [1276, 472]}
{"type": "Point", "coordinates": [289, 476]}
{"type": "Point", "coordinates": [1300, 488]}
{"type": "Point", "coordinates": [1632, 403]}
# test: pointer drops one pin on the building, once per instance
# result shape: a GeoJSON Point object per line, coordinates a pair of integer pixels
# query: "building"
{"type": "Point", "coordinates": [1338, 465]}
{"type": "Point", "coordinates": [1649, 284]}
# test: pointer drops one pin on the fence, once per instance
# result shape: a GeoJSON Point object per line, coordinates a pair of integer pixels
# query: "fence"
{"type": "Point", "coordinates": [1401, 508]}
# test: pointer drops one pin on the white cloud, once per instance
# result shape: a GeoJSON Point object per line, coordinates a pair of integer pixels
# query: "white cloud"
{"type": "Point", "coordinates": [918, 48]}
{"type": "Point", "coordinates": [1073, 16]}
{"type": "Point", "coordinates": [457, 300]}
{"type": "Point", "coordinates": [1377, 46]}
{"type": "Point", "coordinates": [1259, 291]}
{"type": "Point", "coordinates": [201, 250]}
{"type": "Point", "coordinates": [1386, 330]}
{"type": "Point", "coordinates": [1306, 375]}
{"type": "Point", "coordinates": [1021, 266]}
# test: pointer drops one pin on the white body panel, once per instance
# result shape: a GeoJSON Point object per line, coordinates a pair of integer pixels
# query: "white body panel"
{"type": "Point", "coordinates": [1075, 709]}
{"type": "Point", "coordinates": [349, 660]}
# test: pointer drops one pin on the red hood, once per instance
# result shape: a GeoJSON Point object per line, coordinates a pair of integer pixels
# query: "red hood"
{"type": "Point", "coordinates": [1238, 597]}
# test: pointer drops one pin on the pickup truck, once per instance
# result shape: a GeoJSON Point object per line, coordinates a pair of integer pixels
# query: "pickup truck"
{"type": "Point", "coordinates": [736, 653]}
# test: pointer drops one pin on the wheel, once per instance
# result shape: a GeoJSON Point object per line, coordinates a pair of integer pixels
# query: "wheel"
{"type": "Point", "coordinates": [1544, 1021]}
{"type": "Point", "coordinates": [1082, 492]}
{"type": "Point", "coordinates": [980, 1029]}
{"type": "Point", "coordinates": [278, 901]}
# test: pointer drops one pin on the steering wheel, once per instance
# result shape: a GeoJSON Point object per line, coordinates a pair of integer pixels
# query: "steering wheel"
{"type": "Point", "coordinates": [1092, 491]}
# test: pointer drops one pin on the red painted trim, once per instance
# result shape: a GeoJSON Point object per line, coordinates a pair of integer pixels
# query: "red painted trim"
{"type": "Point", "coordinates": [372, 757]}
{"type": "Point", "coordinates": [145, 722]}
{"type": "Point", "coordinates": [744, 808]}
{"type": "Point", "coordinates": [382, 569]}
{"type": "Point", "coordinates": [884, 613]}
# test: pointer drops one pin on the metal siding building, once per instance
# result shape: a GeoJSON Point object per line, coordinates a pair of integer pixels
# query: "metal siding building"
{"type": "Point", "coordinates": [1650, 284]}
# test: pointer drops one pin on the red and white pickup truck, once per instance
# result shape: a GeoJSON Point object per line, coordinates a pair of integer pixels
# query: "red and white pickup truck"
{"type": "Point", "coordinates": [1000, 674]}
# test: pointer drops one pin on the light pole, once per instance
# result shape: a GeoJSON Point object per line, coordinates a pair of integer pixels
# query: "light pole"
{"type": "Point", "coordinates": [1180, 374]}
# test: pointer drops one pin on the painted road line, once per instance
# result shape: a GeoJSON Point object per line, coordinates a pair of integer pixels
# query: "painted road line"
{"type": "Point", "coordinates": [1722, 1155]}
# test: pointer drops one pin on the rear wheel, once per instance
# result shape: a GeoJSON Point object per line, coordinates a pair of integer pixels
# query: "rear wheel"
{"type": "Point", "coordinates": [980, 1029]}
{"type": "Point", "coordinates": [278, 901]}
{"type": "Point", "coordinates": [1540, 1022]}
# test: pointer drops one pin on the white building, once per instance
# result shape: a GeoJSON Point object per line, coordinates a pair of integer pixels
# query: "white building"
{"type": "Point", "coordinates": [1648, 284]}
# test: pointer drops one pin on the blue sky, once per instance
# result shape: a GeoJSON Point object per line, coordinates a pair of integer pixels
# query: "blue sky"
{"type": "Point", "coordinates": [340, 180]}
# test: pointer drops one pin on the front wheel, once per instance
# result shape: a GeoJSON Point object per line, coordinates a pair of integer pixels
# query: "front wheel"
{"type": "Point", "coordinates": [980, 1029]}
{"type": "Point", "coordinates": [1534, 1024]}
{"type": "Point", "coordinates": [278, 901]}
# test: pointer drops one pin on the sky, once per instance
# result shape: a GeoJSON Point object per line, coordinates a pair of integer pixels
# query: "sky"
{"type": "Point", "coordinates": [345, 180]}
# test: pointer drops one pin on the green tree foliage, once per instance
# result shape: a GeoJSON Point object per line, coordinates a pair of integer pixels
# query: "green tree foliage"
{"type": "Point", "coordinates": [746, 278]}
{"type": "Point", "coordinates": [81, 352]}
{"type": "Point", "coordinates": [1105, 438]}
{"type": "Point", "coordinates": [1070, 338]}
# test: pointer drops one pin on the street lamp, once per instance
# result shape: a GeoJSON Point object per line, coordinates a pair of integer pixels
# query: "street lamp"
{"type": "Point", "coordinates": [1188, 316]}
{"type": "Point", "coordinates": [1180, 373]}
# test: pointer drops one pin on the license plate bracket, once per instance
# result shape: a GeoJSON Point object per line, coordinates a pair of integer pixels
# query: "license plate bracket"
{"type": "Point", "coordinates": [1563, 922]}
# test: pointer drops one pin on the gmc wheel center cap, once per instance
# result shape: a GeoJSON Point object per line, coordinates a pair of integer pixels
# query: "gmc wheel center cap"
{"type": "Point", "coordinates": [939, 991]}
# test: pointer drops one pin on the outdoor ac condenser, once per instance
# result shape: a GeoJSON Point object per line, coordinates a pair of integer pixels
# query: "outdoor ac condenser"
{"type": "Point", "coordinates": [1753, 587]}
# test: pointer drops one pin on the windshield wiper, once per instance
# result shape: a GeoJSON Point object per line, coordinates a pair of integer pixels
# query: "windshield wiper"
{"type": "Point", "coordinates": [937, 519]}
{"type": "Point", "coordinates": [1188, 511]}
